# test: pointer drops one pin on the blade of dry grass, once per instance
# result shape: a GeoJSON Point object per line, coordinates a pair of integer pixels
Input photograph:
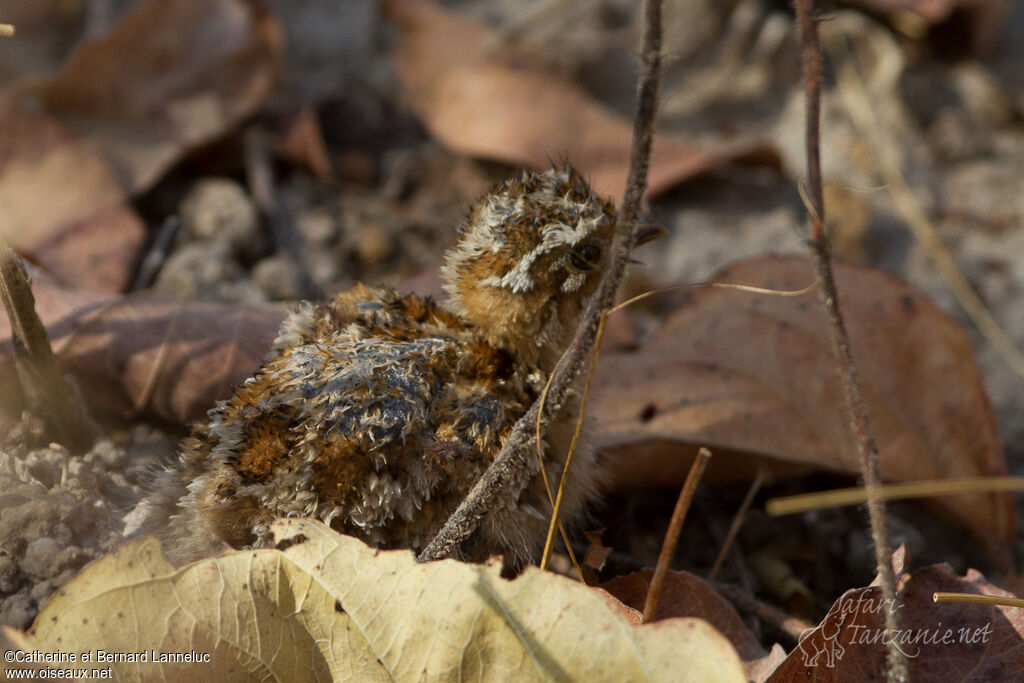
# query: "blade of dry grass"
{"type": "Point", "coordinates": [976, 599]}
{"type": "Point", "coordinates": [916, 489]}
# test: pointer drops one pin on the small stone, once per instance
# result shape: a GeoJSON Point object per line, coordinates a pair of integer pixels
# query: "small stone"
{"type": "Point", "coordinates": [317, 228]}
{"type": "Point", "coordinates": [10, 577]}
{"type": "Point", "coordinates": [323, 266]}
{"type": "Point", "coordinates": [18, 610]}
{"type": "Point", "coordinates": [279, 277]}
{"type": "Point", "coordinates": [42, 590]}
{"type": "Point", "coordinates": [198, 270]}
{"type": "Point", "coordinates": [39, 556]}
{"type": "Point", "coordinates": [244, 291]}
{"type": "Point", "coordinates": [218, 210]}
{"type": "Point", "coordinates": [47, 465]}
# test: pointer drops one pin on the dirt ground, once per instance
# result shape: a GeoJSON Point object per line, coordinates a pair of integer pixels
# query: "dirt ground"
{"type": "Point", "coordinates": [949, 102]}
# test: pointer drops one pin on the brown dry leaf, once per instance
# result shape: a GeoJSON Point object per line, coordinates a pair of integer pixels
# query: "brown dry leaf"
{"type": "Point", "coordinates": [942, 641]}
{"type": "Point", "coordinates": [754, 376]}
{"type": "Point", "coordinates": [330, 608]}
{"type": "Point", "coordinates": [932, 11]}
{"type": "Point", "coordinates": [632, 616]}
{"type": "Point", "coordinates": [297, 136]}
{"type": "Point", "coordinates": [686, 595]}
{"type": "Point", "coordinates": [476, 102]}
{"type": "Point", "coordinates": [140, 354]}
{"type": "Point", "coordinates": [597, 552]}
{"type": "Point", "coordinates": [169, 76]}
{"type": "Point", "coordinates": [937, 11]}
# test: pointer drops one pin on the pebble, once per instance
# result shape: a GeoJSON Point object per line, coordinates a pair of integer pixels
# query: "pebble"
{"type": "Point", "coordinates": [219, 211]}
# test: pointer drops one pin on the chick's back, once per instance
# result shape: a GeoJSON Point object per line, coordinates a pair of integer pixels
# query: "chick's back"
{"type": "Point", "coordinates": [375, 414]}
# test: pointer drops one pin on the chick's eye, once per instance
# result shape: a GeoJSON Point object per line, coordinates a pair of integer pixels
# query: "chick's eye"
{"type": "Point", "coordinates": [585, 256]}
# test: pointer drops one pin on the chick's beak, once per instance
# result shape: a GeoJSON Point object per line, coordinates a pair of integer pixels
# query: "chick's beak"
{"type": "Point", "coordinates": [649, 230]}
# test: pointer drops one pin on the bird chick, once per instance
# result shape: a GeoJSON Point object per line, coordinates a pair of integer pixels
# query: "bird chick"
{"type": "Point", "coordinates": [377, 412]}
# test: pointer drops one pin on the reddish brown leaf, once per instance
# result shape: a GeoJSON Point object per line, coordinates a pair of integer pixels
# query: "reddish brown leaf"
{"type": "Point", "coordinates": [479, 103]}
{"type": "Point", "coordinates": [64, 207]}
{"type": "Point", "coordinates": [298, 137]}
{"type": "Point", "coordinates": [141, 355]}
{"type": "Point", "coordinates": [170, 75]}
{"type": "Point", "coordinates": [597, 553]}
{"type": "Point", "coordinates": [942, 641]}
{"type": "Point", "coordinates": [686, 595]}
{"type": "Point", "coordinates": [631, 615]}
{"type": "Point", "coordinates": [932, 11]}
{"type": "Point", "coordinates": [752, 375]}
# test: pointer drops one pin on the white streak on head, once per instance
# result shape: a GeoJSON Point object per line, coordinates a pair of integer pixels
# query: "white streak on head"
{"type": "Point", "coordinates": [573, 283]}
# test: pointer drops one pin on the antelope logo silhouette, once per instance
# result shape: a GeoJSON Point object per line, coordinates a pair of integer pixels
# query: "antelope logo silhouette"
{"type": "Point", "coordinates": [824, 640]}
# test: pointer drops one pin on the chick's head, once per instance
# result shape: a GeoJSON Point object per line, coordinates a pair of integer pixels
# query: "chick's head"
{"type": "Point", "coordinates": [529, 255]}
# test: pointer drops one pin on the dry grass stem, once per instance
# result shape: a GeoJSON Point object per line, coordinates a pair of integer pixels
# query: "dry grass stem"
{"type": "Point", "coordinates": [917, 489]}
{"type": "Point", "coordinates": [975, 599]}
{"type": "Point", "coordinates": [557, 504]}
{"type": "Point", "coordinates": [675, 525]}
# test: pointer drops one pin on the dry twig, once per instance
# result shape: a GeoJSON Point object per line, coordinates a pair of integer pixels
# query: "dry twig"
{"type": "Point", "coordinates": [748, 604]}
{"type": "Point", "coordinates": [737, 521]}
{"type": "Point", "coordinates": [675, 525]}
{"type": "Point", "coordinates": [514, 455]}
{"type": "Point", "coordinates": [866, 447]}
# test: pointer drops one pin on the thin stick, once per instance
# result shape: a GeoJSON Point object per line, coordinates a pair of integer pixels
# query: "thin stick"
{"type": "Point", "coordinates": [915, 489]}
{"type": "Point", "coordinates": [155, 258]}
{"type": "Point", "coordinates": [675, 525]}
{"type": "Point", "coordinates": [737, 521]}
{"type": "Point", "coordinates": [6, 30]}
{"type": "Point", "coordinates": [747, 603]}
{"type": "Point", "coordinates": [40, 378]}
{"type": "Point", "coordinates": [867, 450]}
{"type": "Point", "coordinates": [260, 178]}
{"type": "Point", "coordinates": [975, 599]}
{"type": "Point", "coordinates": [515, 453]}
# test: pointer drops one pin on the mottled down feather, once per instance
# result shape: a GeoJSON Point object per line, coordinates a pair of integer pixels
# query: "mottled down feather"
{"type": "Point", "coordinates": [377, 412]}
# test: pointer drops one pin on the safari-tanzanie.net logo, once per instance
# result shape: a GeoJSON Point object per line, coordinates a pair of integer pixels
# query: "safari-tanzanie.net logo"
{"type": "Point", "coordinates": [827, 643]}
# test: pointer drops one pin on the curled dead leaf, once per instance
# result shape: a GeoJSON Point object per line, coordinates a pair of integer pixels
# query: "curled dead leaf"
{"type": "Point", "coordinates": [108, 126]}
{"type": "Point", "coordinates": [140, 354]}
{"type": "Point", "coordinates": [476, 102]}
{"type": "Point", "coordinates": [754, 376]}
{"type": "Point", "coordinates": [686, 595]}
